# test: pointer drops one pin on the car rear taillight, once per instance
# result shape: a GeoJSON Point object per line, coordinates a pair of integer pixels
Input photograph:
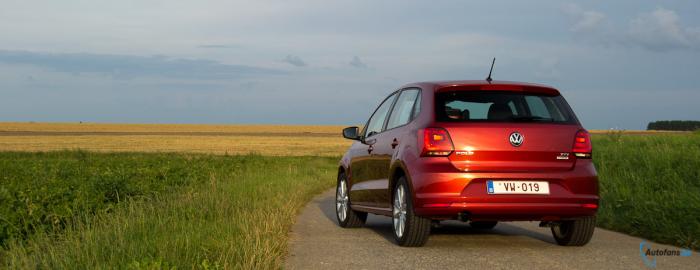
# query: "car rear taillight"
{"type": "Point", "coordinates": [436, 143]}
{"type": "Point", "coordinates": [582, 144]}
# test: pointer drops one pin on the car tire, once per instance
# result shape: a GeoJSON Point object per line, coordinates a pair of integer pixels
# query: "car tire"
{"type": "Point", "coordinates": [483, 225]}
{"type": "Point", "coordinates": [347, 218]}
{"type": "Point", "coordinates": [408, 229]}
{"type": "Point", "coordinates": [574, 232]}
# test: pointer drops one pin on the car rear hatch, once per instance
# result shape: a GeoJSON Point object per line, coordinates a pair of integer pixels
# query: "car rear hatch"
{"type": "Point", "coordinates": [508, 131]}
{"type": "Point", "coordinates": [488, 147]}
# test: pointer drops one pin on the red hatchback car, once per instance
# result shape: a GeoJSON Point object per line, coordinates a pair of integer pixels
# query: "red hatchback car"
{"type": "Point", "coordinates": [474, 151]}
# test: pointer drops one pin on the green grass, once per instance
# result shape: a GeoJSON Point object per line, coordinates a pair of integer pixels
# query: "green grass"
{"type": "Point", "coordinates": [43, 192]}
{"type": "Point", "coordinates": [650, 186]}
{"type": "Point", "coordinates": [79, 210]}
{"type": "Point", "coordinates": [174, 211]}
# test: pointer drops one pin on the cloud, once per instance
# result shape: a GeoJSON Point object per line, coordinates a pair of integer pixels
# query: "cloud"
{"type": "Point", "coordinates": [126, 66]}
{"type": "Point", "coordinates": [548, 68]}
{"type": "Point", "coordinates": [219, 46]}
{"type": "Point", "coordinates": [294, 61]}
{"type": "Point", "coordinates": [356, 62]}
{"type": "Point", "coordinates": [585, 20]}
{"type": "Point", "coordinates": [659, 30]}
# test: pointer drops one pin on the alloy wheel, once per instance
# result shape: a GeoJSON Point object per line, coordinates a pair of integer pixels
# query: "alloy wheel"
{"type": "Point", "coordinates": [341, 200]}
{"type": "Point", "coordinates": [399, 211]}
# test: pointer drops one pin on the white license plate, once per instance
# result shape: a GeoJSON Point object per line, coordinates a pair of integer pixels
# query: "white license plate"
{"type": "Point", "coordinates": [517, 187]}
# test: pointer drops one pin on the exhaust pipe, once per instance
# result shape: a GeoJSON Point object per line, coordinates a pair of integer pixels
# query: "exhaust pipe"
{"type": "Point", "coordinates": [463, 216]}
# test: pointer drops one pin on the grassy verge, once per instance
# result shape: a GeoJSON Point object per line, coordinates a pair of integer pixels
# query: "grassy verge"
{"type": "Point", "coordinates": [226, 212]}
{"type": "Point", "coordinates": [650, 186]}
{"type": "Point", "coordinates": [45, 191]}
{"type": "Point", "coordinates": [78, 210]}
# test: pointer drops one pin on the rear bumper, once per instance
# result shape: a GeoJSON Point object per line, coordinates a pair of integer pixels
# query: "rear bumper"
{"type": "Point", "coordinates": [509, 211]}
{"type": "Point", "coordinates": [456, 194]}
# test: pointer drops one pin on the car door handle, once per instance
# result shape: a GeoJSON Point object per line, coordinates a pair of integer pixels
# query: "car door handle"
{"type": "Point", "coordinates": [369, 149]}
{"type": "Point", "coordinates": [394, 143]}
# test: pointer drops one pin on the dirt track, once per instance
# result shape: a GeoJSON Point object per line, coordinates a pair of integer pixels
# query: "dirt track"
{"type": "Point", "coordinates": [317, 242]}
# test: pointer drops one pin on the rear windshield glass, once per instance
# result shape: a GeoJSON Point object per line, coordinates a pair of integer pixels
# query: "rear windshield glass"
{"type": "Point", "coordinates": [493, 106]}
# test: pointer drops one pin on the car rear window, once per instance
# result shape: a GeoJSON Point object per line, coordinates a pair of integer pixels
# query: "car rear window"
{"type": "Point", "coordinates": [497, 106]}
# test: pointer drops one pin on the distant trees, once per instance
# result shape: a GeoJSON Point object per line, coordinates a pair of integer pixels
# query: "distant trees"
{"type": "Point", "coordinates": [674, 125]}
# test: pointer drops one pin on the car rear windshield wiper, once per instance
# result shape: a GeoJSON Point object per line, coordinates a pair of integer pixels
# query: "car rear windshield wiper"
{"type": "Point", "coordinates": [531, 119]}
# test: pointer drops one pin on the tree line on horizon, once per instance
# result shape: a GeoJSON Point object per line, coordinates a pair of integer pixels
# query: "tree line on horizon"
{"type": "Point", "coordinates": [676, 125]}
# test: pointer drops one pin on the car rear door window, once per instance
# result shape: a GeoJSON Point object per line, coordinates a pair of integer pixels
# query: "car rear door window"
{"type": "Point", "coordinates": [376, 122]}
{"type": "Point", "coordinates": [401, 114]}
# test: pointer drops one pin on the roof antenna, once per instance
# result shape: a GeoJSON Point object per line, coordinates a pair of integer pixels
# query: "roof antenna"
{"type": "Point", "coordinates": [488, 79]}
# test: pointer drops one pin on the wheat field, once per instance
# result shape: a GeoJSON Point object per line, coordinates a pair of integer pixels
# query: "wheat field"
{"type": "Point", "coordinates": [155, 128]}
{"type": "Point", "coordinates": [269, 140]}
{"type": "Point", "coordinates": [272, 140]}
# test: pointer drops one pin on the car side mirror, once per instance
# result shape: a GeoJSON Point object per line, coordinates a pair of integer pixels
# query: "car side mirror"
{"type": "Point", "coordinates": [351, 133]}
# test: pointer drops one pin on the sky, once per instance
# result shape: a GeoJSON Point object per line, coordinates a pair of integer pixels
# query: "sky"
{"type": "Point", "coordinates": [620, 64]}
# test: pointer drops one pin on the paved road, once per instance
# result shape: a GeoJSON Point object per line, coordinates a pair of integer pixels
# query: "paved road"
{"type": "Point", "coordinates": [317, 242]}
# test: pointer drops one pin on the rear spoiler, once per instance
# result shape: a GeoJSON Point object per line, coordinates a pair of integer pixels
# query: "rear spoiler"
{"type": "Point", "coordinates": [534, 89]}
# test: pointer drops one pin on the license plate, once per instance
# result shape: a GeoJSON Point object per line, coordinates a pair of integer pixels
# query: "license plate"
{"type": "Point", "coordinates": [517, 187]}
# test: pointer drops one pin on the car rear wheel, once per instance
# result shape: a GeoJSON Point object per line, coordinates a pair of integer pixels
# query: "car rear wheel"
{"type": "Point", "coordinates": [574, 232]}
{"type": "Point", "coordinates": [347, 218]}
{"type": "Point", "coordinates": [409, 230]}
{"type": "Point", "coordinates": [483, 225]}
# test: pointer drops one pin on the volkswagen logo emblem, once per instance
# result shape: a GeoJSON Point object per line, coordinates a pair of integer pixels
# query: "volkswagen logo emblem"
{"type": "Point", "coordinates": [516, 139]}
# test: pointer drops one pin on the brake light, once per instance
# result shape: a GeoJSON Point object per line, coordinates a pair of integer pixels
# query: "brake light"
{"type": "Point", "coordinates": [590, 205]}
{"type": "Point", "coordinates": [436, 143]}
{"type": "Point", "coordinates": [582, 144]}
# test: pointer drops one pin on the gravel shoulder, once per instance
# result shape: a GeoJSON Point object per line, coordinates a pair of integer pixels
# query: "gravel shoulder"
{"type": "Point", "coordinates": [317, 242]}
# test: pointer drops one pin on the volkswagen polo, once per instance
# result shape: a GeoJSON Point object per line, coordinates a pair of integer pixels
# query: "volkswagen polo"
{"type": "Point", "coordinates": [476, 151]}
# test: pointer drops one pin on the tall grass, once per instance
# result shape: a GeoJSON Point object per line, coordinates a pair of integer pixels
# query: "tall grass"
{"type": "Point", "coordinates": [78, 210]}
{"type": "Point", "coordinates": [238, 216]}
{"type": "Point", "coordinates": [44, 191]}
{"type": "Point", "coordinates": [650, 186]}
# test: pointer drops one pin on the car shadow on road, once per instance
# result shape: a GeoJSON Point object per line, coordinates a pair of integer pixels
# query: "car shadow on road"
{"type": "Point", "coordinates": [382, 226]}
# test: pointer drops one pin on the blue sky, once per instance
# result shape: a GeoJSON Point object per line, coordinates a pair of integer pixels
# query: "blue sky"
{"type": "Point", "coordinates": [620, 64]}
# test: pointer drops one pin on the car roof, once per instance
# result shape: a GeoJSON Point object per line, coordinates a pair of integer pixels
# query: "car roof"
{"type": "Point", "coordinates": [483, 85]}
